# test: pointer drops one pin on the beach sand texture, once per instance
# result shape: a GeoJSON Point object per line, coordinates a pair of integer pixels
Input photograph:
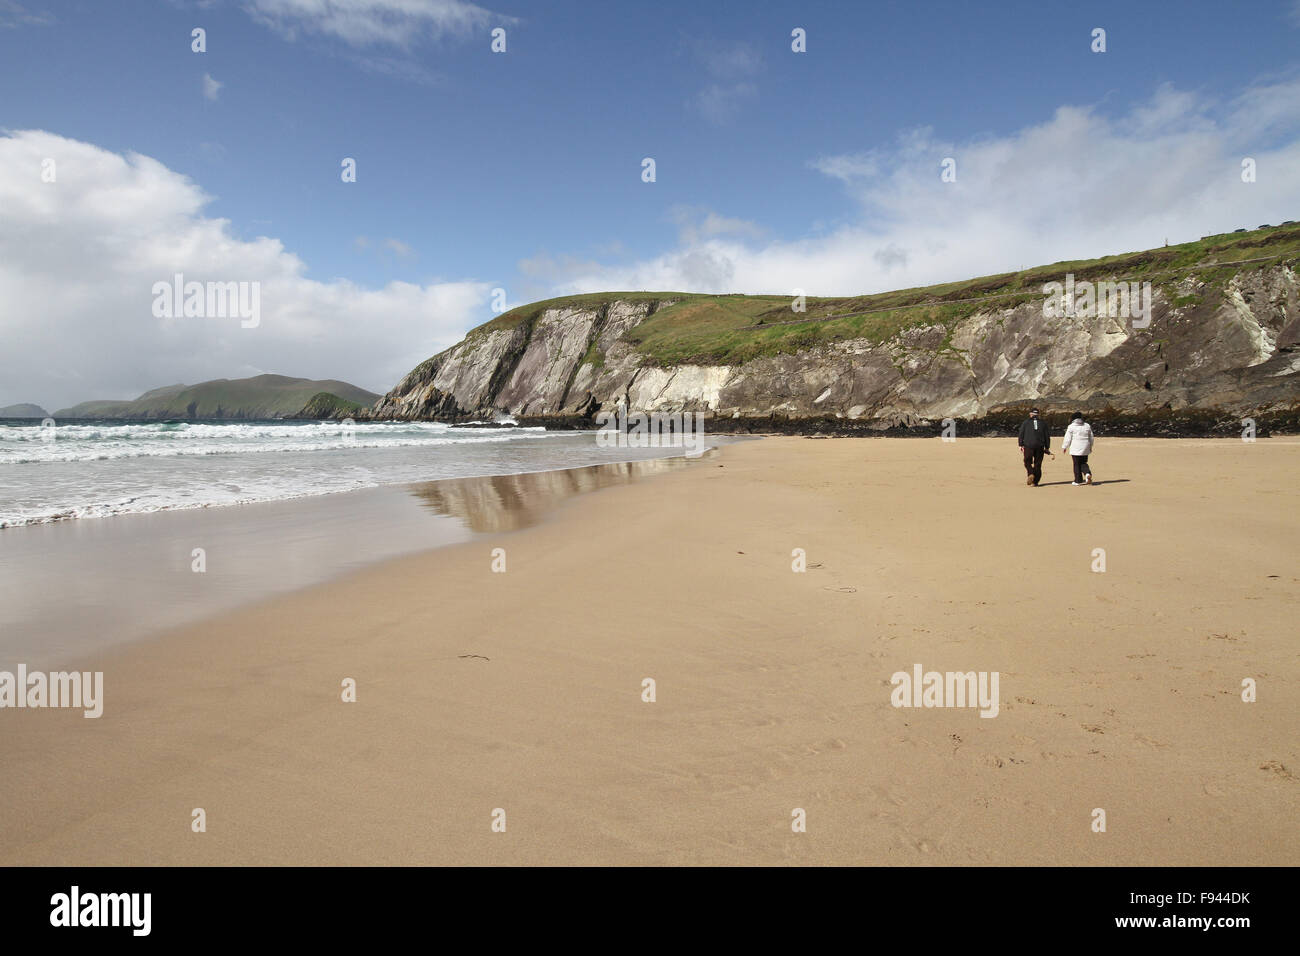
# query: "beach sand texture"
{"type": "Point", "coordinates": [523, 690]}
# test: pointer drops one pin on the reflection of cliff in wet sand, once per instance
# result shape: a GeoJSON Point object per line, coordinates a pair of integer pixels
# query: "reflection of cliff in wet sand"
{"type": "Point", "coordinates": [511, 502]}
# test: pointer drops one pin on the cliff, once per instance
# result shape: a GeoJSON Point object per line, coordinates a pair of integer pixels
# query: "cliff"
{"type": "Point", "coordinates": [1222, 343]}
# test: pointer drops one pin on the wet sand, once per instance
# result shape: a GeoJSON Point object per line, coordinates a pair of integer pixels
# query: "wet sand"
{"type": "Point", "coordinates": [523, 691]}
{"type": "Point", "coordinates": [73, 588]}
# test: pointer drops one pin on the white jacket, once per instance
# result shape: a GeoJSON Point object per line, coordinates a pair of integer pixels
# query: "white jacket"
{"type": "Point", "coordinates": [1077, 439]}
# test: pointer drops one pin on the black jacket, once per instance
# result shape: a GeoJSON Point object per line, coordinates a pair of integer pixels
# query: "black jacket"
{"type": "Point", "coordinates": [1033, 434]}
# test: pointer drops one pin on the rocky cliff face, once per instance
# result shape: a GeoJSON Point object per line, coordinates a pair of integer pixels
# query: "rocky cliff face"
{"type": "Point", "coordinates": [1227, 346]}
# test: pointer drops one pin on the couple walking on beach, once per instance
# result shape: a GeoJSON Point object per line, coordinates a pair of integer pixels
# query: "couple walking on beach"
{"type": "Point", "coordinates": [1035, 443]}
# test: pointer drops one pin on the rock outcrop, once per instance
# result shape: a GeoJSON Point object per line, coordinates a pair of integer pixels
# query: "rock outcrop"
{"type": "Point", "coordinates": [327, 405]}
{"type": "Point", "coordinates": [1223, 342]}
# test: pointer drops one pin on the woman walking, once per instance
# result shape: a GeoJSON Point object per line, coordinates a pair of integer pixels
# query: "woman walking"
{"type": "Point", "coordinates": [1077, 443]}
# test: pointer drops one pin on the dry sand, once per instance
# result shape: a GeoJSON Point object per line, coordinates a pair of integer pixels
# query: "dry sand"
{"type": "Point", "coordinates": [1119, 690]}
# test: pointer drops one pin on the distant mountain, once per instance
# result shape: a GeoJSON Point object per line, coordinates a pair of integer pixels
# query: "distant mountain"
{"type": "Point", "coordinates": [262, 396]}
{"type": "Point", "coordinates": [24, 410]}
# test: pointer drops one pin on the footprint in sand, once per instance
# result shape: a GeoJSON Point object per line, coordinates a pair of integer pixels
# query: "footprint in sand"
{"type": "Point", "coordinates": [1276, 767]}
{"type": "Point", "coordinates": [833, 744]}
{"type": "Point", "coordinates": [1092, 728]}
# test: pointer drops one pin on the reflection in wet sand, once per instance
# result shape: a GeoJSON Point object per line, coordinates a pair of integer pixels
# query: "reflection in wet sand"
{"type": "Point", "coordinates": [131, 576]}
{"type": "Point", "coordinates": [511, 502]}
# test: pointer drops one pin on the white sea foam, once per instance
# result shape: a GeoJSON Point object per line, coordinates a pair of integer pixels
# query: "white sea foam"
{"type": "Point", "coordinates": [101, 469]}
{"type": "Point", "coordinates": [67, 443]}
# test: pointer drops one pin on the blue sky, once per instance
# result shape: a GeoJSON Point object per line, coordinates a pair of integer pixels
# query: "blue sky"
{"type": "Point", "coordinates": [522, 170]}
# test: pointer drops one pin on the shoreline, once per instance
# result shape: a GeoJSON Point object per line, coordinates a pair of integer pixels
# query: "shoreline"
{"type": "Point", "coordinates": [383, 465]}
{"type": "Point", "coordinates": [154, 584]}
{"type": "Point", "coordinates": [522, 690]}
{"type": "Point", "coordinates": [1002, 422]}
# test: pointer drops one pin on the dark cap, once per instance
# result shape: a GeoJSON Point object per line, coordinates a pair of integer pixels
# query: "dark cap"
{"type": "Point", "coordinates": [1033, 411]}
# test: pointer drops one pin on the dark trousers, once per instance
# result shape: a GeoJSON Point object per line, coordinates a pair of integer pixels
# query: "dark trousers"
{"type": "Point", "coordinates": [1034, 463]}
{"type": "Point", "coordinates": [1081, 467]}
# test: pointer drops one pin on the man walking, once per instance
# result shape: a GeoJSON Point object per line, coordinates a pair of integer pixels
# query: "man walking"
{"type": "Point", "coordinates": [1034, 443]}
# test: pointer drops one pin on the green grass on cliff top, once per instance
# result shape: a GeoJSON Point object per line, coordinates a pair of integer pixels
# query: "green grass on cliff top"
{"type": "Point", "coordinates": [731, 329]}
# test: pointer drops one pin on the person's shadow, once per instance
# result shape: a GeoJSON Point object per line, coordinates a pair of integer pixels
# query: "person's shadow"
{"type": "Point", "coordinates": [1109, 481]}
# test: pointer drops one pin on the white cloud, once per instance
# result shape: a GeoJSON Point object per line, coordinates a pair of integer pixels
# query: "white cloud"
{"type": "Point", "coordinates": [719, 103]}
{"type": "Point", "coordinates": [732, 66]}
{"type": "Point", "coordinates": [211, 87]}
{"type": "Point", "coordinates": [370, 23]}
{"type": "Point", "coordinates": [79, 257]}
{"type": "Point", "coordinates": [730, 60]}
{"type": "Point", "coordinates": [847, 168]}
{"type": "Point", "coordinates": [406, 69]}
{"type": "Point", "coordinates": [1077, 185]}
{"type": "Point", "coordinates": [399, 248]}
{"type": "Point", "coordinates": [695, 223]}
{"type": "Point", "coordinates": [14, 15]}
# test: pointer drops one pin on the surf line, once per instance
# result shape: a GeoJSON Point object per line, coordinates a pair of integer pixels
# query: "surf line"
{"type": "Point", "coordinates": [55, 689]}
{"type": "Point", "coordinates": [949, 689]}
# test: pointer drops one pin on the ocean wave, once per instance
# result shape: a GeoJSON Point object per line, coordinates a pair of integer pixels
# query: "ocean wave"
{"type": "Point", "coordinates": [221, 465]}
{"type": "Point", "coordinates": [182, 430]}
{"type": "Point", "coordinates": [91, 443]}
{"type": "Point", "coordinates": [134, 505]}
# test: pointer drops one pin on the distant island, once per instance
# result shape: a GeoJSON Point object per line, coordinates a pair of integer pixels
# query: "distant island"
{"type": "Point", "coordinates": [259, 397]}
{"type": "Point", "coordinates": [23, 410]}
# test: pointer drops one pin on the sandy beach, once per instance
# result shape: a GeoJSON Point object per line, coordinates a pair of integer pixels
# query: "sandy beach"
{"type": "Point", "coordinates": [522, 691]}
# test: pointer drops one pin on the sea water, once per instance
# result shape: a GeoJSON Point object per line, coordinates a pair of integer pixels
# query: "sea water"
{"type": "Point", "coordinates": [113, 531]}
{"type": "Point", "coordinates": [99, 469]}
